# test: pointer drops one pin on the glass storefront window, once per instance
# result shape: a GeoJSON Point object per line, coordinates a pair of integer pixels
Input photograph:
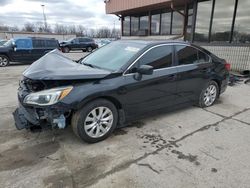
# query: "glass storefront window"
{"type": "Point", "coordinates": [242, 23]}
{"type": "Point", "coordinates": [177, 23]}
{"type": "Point", "coordinates": [204, 11]}
{"type": "Point", "coordinates": [126, 26]}
{"type": "Point", "coordinates": [222, 21]}
{"type": "Point", "coordinates": [134, 25]}
{"type": "Point", "coordinates": [165, 23]}
{"type": "Point", "coordinates": [144, 23]}
{"type": "Point", "coordinates": [155, 24]}
{"type": "Point", "coordinates": [189, 24]}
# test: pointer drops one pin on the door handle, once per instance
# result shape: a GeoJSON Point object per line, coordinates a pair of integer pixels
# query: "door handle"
{"type": "Point", "coordinates": [205, 70]}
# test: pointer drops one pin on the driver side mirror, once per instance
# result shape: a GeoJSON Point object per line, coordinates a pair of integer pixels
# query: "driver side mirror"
{"type": "Point", "coordinates": [145, 69]}
{"type": "Point", "coordinates": [14, 46]}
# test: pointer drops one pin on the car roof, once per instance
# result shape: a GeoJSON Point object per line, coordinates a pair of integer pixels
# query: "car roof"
{"type": "Point", "coordinates": [34, 38]}
{"type": "Point", "coordinates": [156, 42]}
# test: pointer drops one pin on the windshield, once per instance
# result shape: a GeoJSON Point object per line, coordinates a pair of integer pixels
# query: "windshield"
{"type": "Point", "coordinates": [69, 40]}
{"type": "Point", "coordinates": [114, 55]}
{"type": "Point", "coordinates": [9, 42]}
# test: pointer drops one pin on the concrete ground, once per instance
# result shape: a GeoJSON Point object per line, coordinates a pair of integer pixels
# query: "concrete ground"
{"type": "Point", "coordinates": [191, 147]}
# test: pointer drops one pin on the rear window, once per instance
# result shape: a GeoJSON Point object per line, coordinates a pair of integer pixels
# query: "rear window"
{"type": "Point", "coordinates": [52, 43]}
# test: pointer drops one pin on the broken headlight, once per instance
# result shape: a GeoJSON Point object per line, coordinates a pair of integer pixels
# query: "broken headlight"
{"type": "Point", "coordinates": [47, 97]}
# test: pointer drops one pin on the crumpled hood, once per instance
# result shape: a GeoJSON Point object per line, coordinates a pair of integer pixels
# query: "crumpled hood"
{"type": "Point", "coordinates": [55, 66]}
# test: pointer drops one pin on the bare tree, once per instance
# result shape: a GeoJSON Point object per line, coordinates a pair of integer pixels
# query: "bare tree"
{"type": "Point", "coordinates": [60, 29]}
{"type": "Point", "coordinates": [81, 30]}
{"type": "Point", "coordinates": [103, 32]}
{"type": "Point", "coordinates": [29, 27]}
{"type": "Point", "coordinates": [72, 29]}
{"type": "Point", "coordinates": [91, 33]}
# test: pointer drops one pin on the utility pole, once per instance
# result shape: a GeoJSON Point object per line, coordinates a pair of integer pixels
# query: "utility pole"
{"type": "Point", "coordinates": [44, 18]}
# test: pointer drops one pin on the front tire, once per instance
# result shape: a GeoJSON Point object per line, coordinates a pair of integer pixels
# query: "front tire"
{"type": "Point", "coordinates": [95, 121]}
{"type": "Point", "coordinates": [4, 61]}
{"type": "Point", "coordinates": [89, 49]}
{"type": "Point", "coordinates": [209, 94]}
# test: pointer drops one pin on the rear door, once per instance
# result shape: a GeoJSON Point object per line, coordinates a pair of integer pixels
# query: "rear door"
{"type": "Point", "coordinates": [194, 69]}
{"type": "Point", "coordinates": [75, 44]}
{"type": "Point", "coordinates": [38, 48]}
{"type": "Point", "coordinates": [154, 91]}
{"type": "Point", "coordinates": [85, 42]}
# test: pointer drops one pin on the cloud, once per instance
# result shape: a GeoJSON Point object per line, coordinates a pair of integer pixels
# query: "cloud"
{"type": "Point", "coordinates": [91, 14]}
{"type": "Point", "coordinates": [5, 2]}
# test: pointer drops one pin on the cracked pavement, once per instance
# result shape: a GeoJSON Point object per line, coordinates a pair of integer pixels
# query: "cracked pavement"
{"type": "Point", "coordinates": [190, 147]}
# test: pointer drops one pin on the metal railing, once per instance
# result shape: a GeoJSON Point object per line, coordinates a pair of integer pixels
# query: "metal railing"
{"type": "Point", "coordinates": [238, 56]}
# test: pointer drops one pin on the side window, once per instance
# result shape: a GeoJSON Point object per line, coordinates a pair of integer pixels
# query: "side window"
{"type": "Point", "coordinates": [186, 55]}
{"type": "Point", "coordinates": [76, 41]}
{"type": "Point", "coordinates": [51, 44]}
{"type": "Point", "coordinates": [23, 44]}
{"type": "Point", "coordinates": [81, 40]}
{"type": "Point", "coordinates": [159, 57]}
{"type": "Point", "coordinates": [203, 58]}
{"type": "Point", "coordinates": [38, 43]}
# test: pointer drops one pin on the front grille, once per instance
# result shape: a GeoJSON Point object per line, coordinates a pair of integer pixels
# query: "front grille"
{"type": "Point", "coordinates": [33, 85]}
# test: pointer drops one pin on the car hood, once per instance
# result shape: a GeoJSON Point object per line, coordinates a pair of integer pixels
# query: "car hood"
{"type": "Point", "coordinates": [55, 66]}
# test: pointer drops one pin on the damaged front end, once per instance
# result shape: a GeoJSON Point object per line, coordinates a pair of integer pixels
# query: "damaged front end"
{"type": "Point", "coordinates": [45, 85]}
{"type": "Point", "coordinates": [38, 107]}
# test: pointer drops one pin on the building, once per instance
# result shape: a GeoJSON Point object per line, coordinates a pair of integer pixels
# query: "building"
{"type": "Point", "coordinates": [222, 26]}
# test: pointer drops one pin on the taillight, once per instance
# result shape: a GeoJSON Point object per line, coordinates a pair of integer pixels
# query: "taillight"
{"type": "Point", "coordinates": [227, 66]}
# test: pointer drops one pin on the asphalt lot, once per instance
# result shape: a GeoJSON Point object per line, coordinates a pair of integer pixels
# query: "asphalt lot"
{"type": "Point", "coordinates": [191, 147]}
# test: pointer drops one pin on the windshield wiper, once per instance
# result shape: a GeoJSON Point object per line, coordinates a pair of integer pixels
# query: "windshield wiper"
{"type": "Point", "coordinates": [87, 64]}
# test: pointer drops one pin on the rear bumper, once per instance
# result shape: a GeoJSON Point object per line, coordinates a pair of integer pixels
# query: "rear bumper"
{"type": "Point", "coordinates": [224, 85]}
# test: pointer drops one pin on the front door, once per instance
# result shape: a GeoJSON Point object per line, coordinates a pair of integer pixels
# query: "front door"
{"type": "Point", "coordinates": [151, 92]}
{"type": "Point", "coordinates": [22, 51]}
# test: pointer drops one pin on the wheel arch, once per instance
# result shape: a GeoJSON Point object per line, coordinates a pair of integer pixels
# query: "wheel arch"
{"type": "Point", "coordinates": [218, 81]}
{"type": "Point", "coordinates": [115, 101]}
{"type": "Point", "coordinates": [5, 54]}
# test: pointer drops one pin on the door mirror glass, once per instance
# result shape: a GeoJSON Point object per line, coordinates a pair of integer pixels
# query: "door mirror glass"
{"type": "Point", "coordinates": [145, 69]}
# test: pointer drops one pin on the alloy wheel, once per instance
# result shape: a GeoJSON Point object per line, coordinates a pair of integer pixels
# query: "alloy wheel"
{"type": "Point", "coordinates": [98, 122]}
{"type": "Point", "coordinates": [3, 61]}
{"type": "Point", "coordinates": [210, 95]}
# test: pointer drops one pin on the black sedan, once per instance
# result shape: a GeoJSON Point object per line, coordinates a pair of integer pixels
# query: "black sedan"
{"type": "Point", "coordinates": [117, 84]}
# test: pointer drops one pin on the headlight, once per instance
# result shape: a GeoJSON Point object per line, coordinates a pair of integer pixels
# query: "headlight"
{"type": "Point", "coordinates": [47, 97]}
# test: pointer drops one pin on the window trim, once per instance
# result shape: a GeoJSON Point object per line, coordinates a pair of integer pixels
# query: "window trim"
{"type": "Point", "coordinates": [177, 60]}
{"type": "Point", "coordinates": [138, 58]}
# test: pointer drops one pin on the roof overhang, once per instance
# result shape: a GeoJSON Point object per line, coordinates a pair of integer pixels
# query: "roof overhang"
{"type": "Point", "coordinates": [121, 7]}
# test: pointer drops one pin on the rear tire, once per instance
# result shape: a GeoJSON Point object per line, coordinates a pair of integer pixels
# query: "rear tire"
{"type": "Point", "coordinates": [4, 61]}
{"type": "Point", "coordinates": [95, 121]}
{"type": "Point", "coordinates": [209, 94]}
{"type": "Point", "coordinates": [66, 49]}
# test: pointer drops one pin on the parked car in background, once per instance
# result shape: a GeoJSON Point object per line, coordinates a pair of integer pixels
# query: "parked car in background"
{"type": "Point", "coordinates": [2, 42]}
{"type": "Point", "coordinates": [79, 43]}
{"type": "Point", "coordinates": [26, 50]}
{"type": "Point", "coordinates": [102, 42]}
{"type": "Point", "coordinates": [116, 84]}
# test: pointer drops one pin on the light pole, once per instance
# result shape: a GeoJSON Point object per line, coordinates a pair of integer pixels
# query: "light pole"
{"type": "Point", "coordinates": [44, 18]}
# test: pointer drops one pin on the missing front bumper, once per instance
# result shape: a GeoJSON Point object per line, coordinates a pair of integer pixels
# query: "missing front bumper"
{"type": "Point", "coordinates": [26, 118]}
